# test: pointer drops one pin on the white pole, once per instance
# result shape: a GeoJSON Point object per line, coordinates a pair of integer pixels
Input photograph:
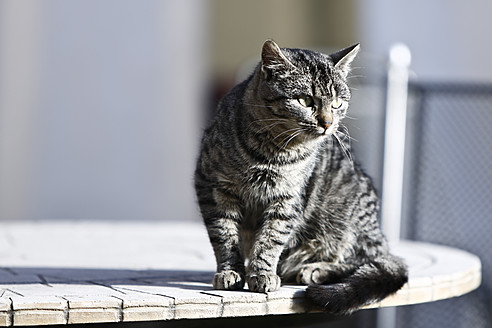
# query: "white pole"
{"type": "Point", "coordinates": [394, 140]}
{"type": "Point", "coordinates": [394, 153]}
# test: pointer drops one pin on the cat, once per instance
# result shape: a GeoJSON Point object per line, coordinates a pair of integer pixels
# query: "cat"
{"type": "Point", "coordinates": [281, 198]}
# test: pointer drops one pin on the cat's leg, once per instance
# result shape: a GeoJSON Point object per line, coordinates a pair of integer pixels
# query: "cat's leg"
{"type": "Point", "coordinates": [301, 265]}
{"type": "Point", "coordinates": [226, 242]}
{"type": "Point", "coordinates": [278, 225]}
{"type": "Point", "coordinates": [308, 262]}
{"type": "Point", "coordinates": [323, 272]}
{"type": "Point", "coordinates": [222, 216]}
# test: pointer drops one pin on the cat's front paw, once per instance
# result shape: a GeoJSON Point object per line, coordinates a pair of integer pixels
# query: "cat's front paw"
{"type": "Point", "coordinates": [263, 282]}
{"type": "Point", "coordinates": [228, 280]}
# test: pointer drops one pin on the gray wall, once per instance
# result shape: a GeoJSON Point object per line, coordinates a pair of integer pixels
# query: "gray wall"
{"type": "Point", "coordinates": [100, 108]}
{"type": "Point", "coordinates": [450, 40]}
{"type": "Point", "coordinates": [101, 102]}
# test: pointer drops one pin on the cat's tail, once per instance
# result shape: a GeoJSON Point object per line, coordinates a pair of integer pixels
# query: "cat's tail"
{"type": "Point", "coordinates": [370, 283]}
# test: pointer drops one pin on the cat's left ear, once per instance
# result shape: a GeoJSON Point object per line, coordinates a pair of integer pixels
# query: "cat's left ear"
{"type": "Point", "coordinates": [273, 59]}
{"type": "Point", "coordinates": [343, 58]}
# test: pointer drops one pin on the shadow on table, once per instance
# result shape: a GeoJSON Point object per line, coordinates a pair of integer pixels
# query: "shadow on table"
{"type": "Point", "coordinates": [47, 276]}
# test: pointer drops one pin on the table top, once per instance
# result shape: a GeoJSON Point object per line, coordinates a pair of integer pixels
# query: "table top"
{"type": "Point", "coordinates": [66, 272]}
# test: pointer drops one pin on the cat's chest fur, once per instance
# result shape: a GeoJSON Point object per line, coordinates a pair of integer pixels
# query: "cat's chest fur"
{"type": "Point", "coordinates": [264, 183]}
{"type": "Point", "coordinates": [283, 176]}
{"type": "Point", "coordinates": [266, 186]}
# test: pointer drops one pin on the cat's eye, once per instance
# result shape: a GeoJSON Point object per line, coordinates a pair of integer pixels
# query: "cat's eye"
{"type": "Point", "coordinates": [336, 103]}
{"type": "Point", "coordinates": [306, 101]}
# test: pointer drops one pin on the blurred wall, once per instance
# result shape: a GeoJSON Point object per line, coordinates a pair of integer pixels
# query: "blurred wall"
{"type": "Point", "coordinates": [239, 28]}
{"type": "Point", "coordinates": [100, 108]}
{"type": "Point", "coordinates": [101, 102]}
{"type": "Point", "coordinates": [449, 40]}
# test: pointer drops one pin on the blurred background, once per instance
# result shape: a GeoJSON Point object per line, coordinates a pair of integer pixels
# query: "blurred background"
{"type": "Point", "coordinates": [102, 105]}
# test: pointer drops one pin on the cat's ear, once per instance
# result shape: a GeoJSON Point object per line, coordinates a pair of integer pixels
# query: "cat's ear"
{"type": "Point", "coordinates": [343, 58]}
{"type": "Point", "coordinates": [273, 59]}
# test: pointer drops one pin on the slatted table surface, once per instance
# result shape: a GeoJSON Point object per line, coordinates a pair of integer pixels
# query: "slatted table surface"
{"type": "Point", "coordinates": [64, 272]}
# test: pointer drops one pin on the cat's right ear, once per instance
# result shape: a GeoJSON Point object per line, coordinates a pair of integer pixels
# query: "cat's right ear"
{"type": "Point", "coordinates": [273, 59]}
{"type": "Point", "coordinates": [343, 59]}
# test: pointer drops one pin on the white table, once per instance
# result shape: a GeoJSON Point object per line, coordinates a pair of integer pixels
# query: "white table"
{"type": "Point", "coordinates": [86, 272]}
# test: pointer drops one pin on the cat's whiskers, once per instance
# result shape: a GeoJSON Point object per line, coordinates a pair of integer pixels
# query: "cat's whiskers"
{"type": "Point", "coordinates": [267, 127]}
{"type": "Point", "coordinates": [287, 131]}
{"type": "Point", "coordinates": [257, 128]}
{"type": "Point", "coordinates": [350, 117]}
{"type": "Point", "coordinates": [355, 77]}
{"type": "Point", "coordinates": [261, 120]}
{"type": "Point", "coordinates": [291, 137]}
{"type": "Point", "coordinates": [345, 133]}
{"type": "Point", "coordinates": [344, 149]}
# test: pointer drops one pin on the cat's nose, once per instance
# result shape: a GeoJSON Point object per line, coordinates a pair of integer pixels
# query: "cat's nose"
{"type": "Point", "coordinates": [325, 119]}
{"type": "Point", "coordinates": [325, 124]}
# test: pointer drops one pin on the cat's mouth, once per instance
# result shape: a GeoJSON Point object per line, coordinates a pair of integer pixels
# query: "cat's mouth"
{"type": "Point", "coordinates": [321, 129]}
{"type": "Point", "coordinates": [327, 129]}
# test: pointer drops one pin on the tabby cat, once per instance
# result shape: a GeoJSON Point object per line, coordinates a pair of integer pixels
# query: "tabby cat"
{"type": "Point", "coordinates": [280, 196]}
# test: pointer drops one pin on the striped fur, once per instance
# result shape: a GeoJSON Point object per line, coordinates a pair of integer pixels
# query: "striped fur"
{"type": "Point", "coordinates": [279, 193]}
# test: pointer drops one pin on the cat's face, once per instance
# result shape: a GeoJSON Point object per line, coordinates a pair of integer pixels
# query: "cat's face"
{"type": "Point", "coordinates": [307, 89]}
